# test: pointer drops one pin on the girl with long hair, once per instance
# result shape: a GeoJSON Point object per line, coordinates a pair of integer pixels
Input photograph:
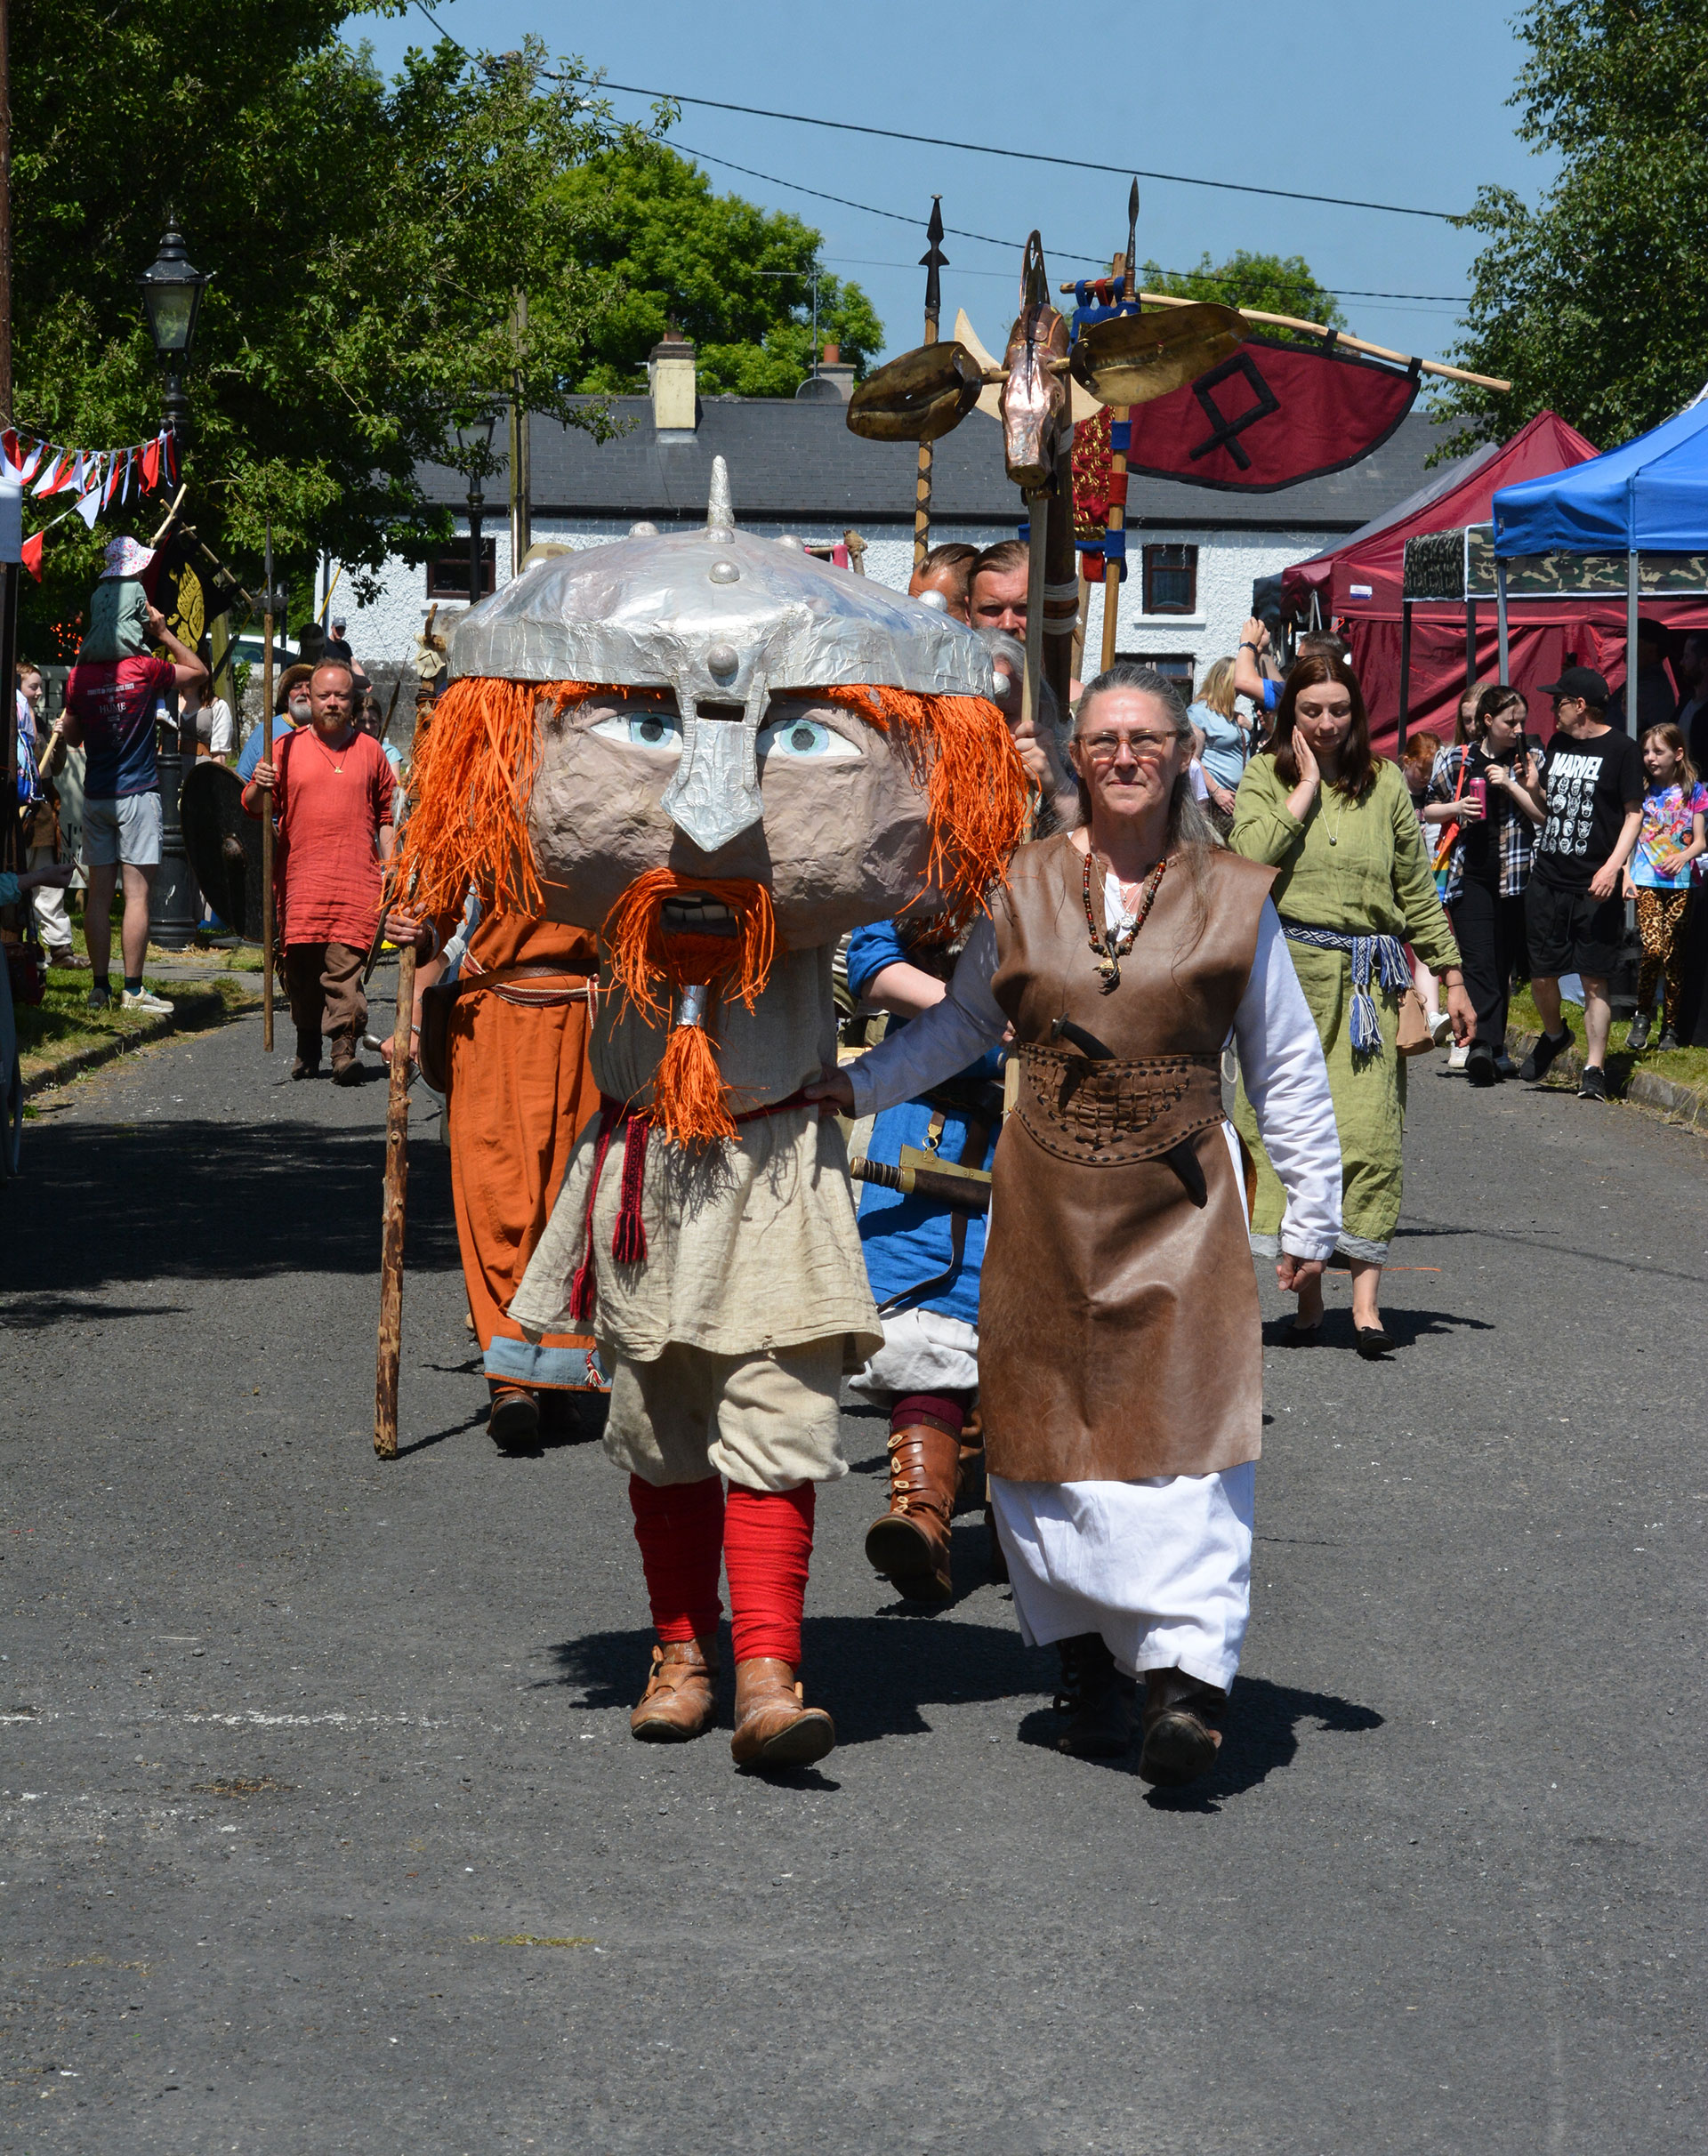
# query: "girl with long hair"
{"type": "Point", "coordinates": [1353, 886]}
{"type": "Point", "coordinates": [1487, 788]}
{"type": "Point", "coordinates": [1675, 810]}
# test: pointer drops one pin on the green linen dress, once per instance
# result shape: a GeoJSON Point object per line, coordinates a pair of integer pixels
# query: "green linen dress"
{"type": "Point", "coordinates": [1360, 867]}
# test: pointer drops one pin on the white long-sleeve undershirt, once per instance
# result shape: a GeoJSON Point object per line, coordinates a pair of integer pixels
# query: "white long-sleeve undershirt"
{"type": "Point", "coordinates": [1274, 1036]}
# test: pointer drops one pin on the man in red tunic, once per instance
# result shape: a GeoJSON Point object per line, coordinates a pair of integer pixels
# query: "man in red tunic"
{"type": "Point", "coordinates": [333, 794]}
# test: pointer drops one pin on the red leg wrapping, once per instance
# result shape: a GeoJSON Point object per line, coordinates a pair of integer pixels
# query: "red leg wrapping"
{"type": "Point", "coordinates": [679, 1528]}
{"type": "Point", "coordinates": [766, 1546]}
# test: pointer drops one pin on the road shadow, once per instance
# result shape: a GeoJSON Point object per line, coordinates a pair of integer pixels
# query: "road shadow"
{"type": "Point", "coordinates": [1261, 1735]}
{"type": "Point", "coordinates": [1403, 1328]}
{"type": "Point", "coordinates": [875, 1676]}
{"type": "Point", "coordinates": [200, 1200]}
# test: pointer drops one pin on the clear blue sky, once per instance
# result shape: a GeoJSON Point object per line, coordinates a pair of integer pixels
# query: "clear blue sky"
{"type": "Point", "coordinates": [1385, 103]}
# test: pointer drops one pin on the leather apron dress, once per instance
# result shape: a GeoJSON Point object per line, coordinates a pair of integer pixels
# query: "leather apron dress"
{"type": "Point", "coordinates": [1119, 1325]}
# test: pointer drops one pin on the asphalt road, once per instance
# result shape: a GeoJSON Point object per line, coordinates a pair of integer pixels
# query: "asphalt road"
{"type": "Point", "coordinates": [344, 1745]}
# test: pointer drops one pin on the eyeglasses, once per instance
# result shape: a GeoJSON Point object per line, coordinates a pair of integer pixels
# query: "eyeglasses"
{"type": "Point", "coordinates": [1143, 748]}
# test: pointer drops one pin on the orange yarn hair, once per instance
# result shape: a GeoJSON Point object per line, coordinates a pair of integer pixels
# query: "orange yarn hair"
{"type": "Point", "coordinates": [468, 789]}
{"type": "Point", "coordinates": [474, 773]}
{"type": "Point", "coordinates": [690, 1103]}
{"type": "Point", "coordinates": [976, 787]}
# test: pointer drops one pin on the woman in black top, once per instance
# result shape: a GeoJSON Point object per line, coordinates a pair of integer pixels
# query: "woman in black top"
{"type": "Point", "coordinates": [1490, 788]}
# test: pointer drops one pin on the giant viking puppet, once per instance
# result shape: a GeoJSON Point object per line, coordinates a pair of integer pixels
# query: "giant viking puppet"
{"type": "Point", "coordinates": [721, 755]}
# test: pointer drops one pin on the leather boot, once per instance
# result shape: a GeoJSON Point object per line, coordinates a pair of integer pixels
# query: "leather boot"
{"type": "Point", "coordinates": [909, 1546]}
{"type": "Point", "coordinates": [773, 1726]}
{"type": "Point", "coordinates": [308, 1057]}
{"type": "Point", "coordinates": [680, 1699]}
{"type": "Point", "coordinates": [1097, 1698]}
{"type": "Point", "coordinates": [1182, 1736]}
{"type": "Point", "coordinates": [513, 1420]}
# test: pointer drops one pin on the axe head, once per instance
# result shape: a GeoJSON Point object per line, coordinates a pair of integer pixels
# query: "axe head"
{"type": "Point", "coordinates": [917, 397]}
{"type": "Point", "coordinates": [1130, 358]}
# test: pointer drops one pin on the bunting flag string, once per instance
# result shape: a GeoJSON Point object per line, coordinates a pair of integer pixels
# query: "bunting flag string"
{"type": "Point", "coordinates": [98, 478]}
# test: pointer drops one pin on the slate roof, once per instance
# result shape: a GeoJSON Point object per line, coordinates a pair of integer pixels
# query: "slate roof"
{"type": "Point", "coordinates": [797, 463]}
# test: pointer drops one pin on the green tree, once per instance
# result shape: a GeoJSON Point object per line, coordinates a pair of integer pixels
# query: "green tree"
{"type": "Point", "coordinates": [366, 239]}
{"type": "Point", "coordinates": [1596, 301]}
{"type": "Point", "coordinates": [1276, 284]}
{"type": "Point", "coordinates": [734, 279]}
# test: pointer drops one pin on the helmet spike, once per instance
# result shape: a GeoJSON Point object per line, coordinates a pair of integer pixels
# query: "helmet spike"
{"type": "Point", "coordinates": [720, 510]}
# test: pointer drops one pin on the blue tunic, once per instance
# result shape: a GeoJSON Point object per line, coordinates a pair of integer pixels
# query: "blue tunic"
{"type": "Point", "coordinates": [906, 1240]}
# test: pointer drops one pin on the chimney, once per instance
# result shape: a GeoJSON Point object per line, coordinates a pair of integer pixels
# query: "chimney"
{"type": "Point", "coordinates": [670, 381]}
{"type": "Point", "coordinates": [833, 368]}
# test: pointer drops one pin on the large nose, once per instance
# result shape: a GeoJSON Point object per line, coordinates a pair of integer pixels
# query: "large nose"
{"type": "Point", "coordinates": [715, 797]}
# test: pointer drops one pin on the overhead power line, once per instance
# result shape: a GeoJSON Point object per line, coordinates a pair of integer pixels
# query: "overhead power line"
{"type": "Point", "coordinates": [1031, 156]}
{"type": "Point", "coordinates": [986, 239]}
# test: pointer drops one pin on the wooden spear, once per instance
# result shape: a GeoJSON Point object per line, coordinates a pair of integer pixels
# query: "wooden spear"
{"type": "Point", "coordinates": [267, 808]}
{"type": "Point", "coordinates": [1120, 416]}
{"type": "Point", "coordinates": [931, 262]}
{"type": "Point", "coordinates": [397, 1181]}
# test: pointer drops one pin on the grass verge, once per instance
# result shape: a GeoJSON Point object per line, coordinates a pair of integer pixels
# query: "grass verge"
{"type": "Point", "coordinates": [1686, 1066]}
{"type": "Point", "coordinates": [62, 1032]}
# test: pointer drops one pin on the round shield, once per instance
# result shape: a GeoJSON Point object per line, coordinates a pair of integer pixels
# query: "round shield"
{"type": "Point", "coordinates": [224, 845]}
{"type": "Point", "coordinates": [1130, 358]}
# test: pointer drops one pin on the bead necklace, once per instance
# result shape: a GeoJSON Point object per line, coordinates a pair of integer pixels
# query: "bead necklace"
{"type": "Point", "coordinates": [1109, 954]}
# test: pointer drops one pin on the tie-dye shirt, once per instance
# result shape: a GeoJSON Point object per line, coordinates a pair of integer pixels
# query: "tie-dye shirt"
{"type": "Point", "coordinates": [1668, 814]}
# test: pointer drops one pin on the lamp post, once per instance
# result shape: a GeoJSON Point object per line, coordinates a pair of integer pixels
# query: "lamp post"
{"type": "Point", "coordinates": [474, 448]}
{"type": "Point", "coordinates": [172, 291]}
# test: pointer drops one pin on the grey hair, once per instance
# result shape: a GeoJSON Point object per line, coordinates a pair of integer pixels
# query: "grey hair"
{"type": "Point", "coordinates": [1190, 832]}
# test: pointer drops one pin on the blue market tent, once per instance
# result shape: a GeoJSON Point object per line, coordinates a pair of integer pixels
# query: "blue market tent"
{"type": "Point", "coordinates": [1648, 496]}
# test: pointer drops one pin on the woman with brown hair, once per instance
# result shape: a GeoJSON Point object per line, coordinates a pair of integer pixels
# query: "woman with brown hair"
{"type": "Point", "coordinates": [1353, 886]}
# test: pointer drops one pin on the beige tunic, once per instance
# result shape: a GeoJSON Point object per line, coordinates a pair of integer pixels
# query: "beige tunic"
{"type": "Point", "coordinates": [751, 1243]}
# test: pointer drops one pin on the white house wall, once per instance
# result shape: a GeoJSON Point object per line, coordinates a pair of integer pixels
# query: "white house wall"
{"type": "Point", "coordinates": [383, 633]}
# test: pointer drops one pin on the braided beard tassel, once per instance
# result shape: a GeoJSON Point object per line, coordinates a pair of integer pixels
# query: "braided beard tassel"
{"type": "Point", "coordinates": [690, 1105]}
{"type": "Point", "coordinates": [688, 1087]}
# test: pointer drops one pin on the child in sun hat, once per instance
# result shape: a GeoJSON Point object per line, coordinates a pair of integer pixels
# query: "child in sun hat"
{"type": "Point", "coordinates": [119, 606]}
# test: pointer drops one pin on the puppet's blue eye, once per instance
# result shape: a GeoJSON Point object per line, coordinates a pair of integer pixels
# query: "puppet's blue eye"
{"type": "Point", "coordinates": [803, 738]}
{"type": "Point", "coordinates": [643, 729]}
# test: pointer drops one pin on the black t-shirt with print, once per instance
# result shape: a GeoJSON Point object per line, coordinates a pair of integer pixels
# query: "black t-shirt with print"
{"type": "Point", "coordinates": [1589, 786]}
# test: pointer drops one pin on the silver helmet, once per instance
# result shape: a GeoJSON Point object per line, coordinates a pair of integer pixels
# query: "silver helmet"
{"type": "Point", "coordinates": [725, 620]}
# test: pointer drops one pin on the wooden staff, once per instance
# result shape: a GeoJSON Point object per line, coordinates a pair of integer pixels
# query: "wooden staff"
{"type": "Point", "coordinates": [1342, 336]}
{"type": "Point", "coordinates": [267, 811]}
{"type": "Point", "coordinates": [931, 262]}
{"type": "Point", "coordinates": [1120, 416]}
{"type": "Point", "coordinates": [1037, 509]}
{"type": "Point", "coordinates": [397, 1182]}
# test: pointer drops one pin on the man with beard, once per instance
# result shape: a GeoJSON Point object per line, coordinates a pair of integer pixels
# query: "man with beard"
{"type": "Point", "coordinates": [777, 754]}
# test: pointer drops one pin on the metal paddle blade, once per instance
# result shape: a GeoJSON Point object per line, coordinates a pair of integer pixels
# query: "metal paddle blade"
{"type": "Point", "coordinates": [1131, 358]}
{"type": "Point", "coordinates": [917, 397]}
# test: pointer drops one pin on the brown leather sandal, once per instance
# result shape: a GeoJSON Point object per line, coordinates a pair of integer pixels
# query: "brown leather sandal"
{"type": "Point", "coordinates": [1181, 1725]}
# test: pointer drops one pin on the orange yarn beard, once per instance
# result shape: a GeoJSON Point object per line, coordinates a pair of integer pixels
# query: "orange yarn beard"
{"type": "Point", "coordinates": [690, 1105]}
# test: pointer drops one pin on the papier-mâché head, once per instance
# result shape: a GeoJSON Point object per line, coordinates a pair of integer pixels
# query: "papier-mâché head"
{"type": "Point", "coordinates": [723, 707]}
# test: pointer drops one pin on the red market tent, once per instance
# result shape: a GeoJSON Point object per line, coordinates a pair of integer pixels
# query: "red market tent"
{"type": "Point", "coordinates": [1358, 585]}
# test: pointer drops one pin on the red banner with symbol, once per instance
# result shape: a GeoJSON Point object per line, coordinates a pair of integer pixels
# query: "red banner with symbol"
{"type": "Point", "coordinates": [1271, 416]}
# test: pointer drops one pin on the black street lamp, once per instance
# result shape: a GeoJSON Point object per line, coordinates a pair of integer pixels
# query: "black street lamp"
{"type": "Point", "coordinates": [474, 457]}
{"type": "Point", "coordinates": [171, 292]}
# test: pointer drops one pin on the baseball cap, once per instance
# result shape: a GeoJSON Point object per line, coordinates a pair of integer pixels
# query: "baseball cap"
{"type": "Point", "coordinates": [337, 621]}
{"type": "Point", "coordinates": [1579, 681]}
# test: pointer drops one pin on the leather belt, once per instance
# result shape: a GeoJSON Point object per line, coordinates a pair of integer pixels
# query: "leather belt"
{"type": "Point", "coordinates": [1107, 1113]}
